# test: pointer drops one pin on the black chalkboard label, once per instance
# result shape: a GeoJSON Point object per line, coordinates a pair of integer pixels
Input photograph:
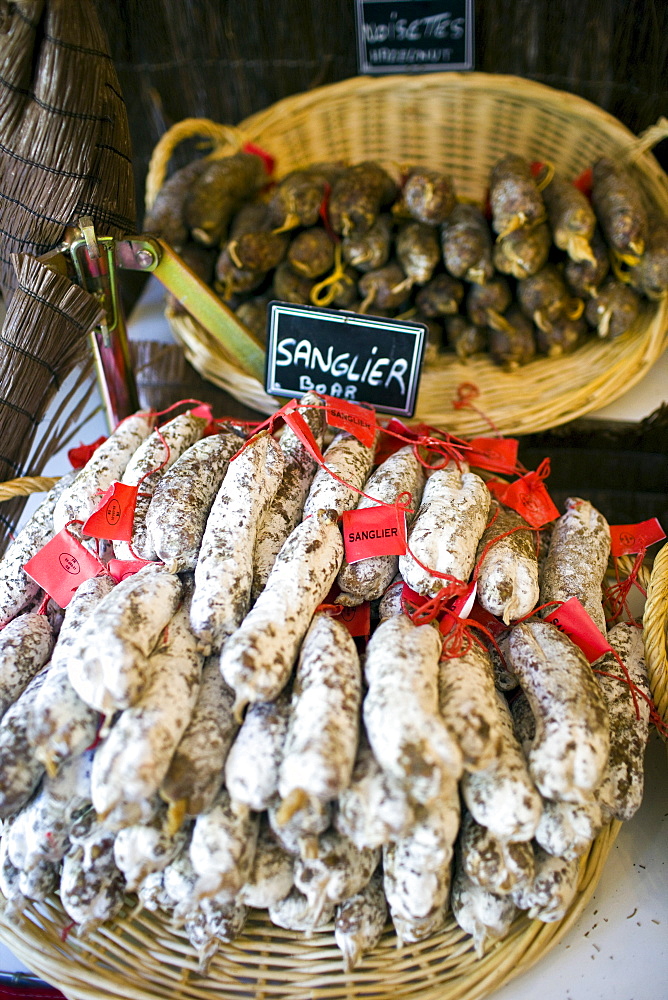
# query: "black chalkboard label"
{"type": "Point", "coordinates": [365, 359]}
{"type": "Point", "coordinates": [414, 36]}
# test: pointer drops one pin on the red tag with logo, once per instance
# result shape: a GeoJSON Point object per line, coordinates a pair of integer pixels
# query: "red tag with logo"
{"type": "Point", "coordinates": [121, 569]}
{"type": "Point", "coordinates": [114, 516]}
{"type": "Point", "coordinates": [494, 454]}
{"type": "Point", "coordinates": [411, 598]}
{"type": "Point", "coordinates": [627, 539]}
{"type": "Point", "coordinates": [374, 531]}
{"type": "Point", "coordinates": [61, 566]}
{"type": "Point", "coordinates": [357, 620]}
{"type": "Point", "coordinates": [462, 605]}
{"type": "Point", "coordinates": [528, 496]}
{"type": "Point", "coordinates": [296, 423]}
{"type": "Point", "coordinates": [572, 619]}
{"type": "Point", "coordinates": [204, 411]}
{"type": "Point", "coordinates": [80, 455]}
{"type": "Point", "coordinates": [347, 416]}
{"type": "Point", "coordinates": [489, 621]}
{"type": "Point", "coordinates": [388, 444]}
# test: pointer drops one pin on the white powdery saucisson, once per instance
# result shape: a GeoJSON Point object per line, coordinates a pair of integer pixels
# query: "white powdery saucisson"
{"type": "Point", "coordinates": [132, 761]}
{"type": "Point", "coordinates": [20, 770]}
{"type": "Point", "coordinates": [48, 817]}
{"type": "Point", "coordinates": [508, 571]}
{"type": "Point", "coordinates": [178, 511]}
{"type": "Point", "coordinates": [17, 589]}
{"type": "Point", "coordinates": [251, 768]}
{"type": "Point", "coordinates": [577, 559]}
{"type": "Point", "coordinates": [502, 796]}
{"type": "Point", "coordinates": [417, 868]}
{"type": "Point", "coordinates": [359, 922]}
{"type": "Point", "coordinates": [367, 579]}
{"type": "Point", "coordinates": [91, 885]}
{"type": "Point", "coordinates": [223, 847]}
{"type": "Point", "coordinates": [552, 889]}
{"type": "Point", "coordinates": [351, 461]}
{"type": "Point", "coordinates": [469, 705]}
{"type": "Point", "coordinates": [25, 646]}
{"type": "Point", "coordinates": [285, 510]}
{"type": "Point", "coordinates": [569, 753]}
{"type": "Point", "coordinates": [224, 569]}
{"type": "Point", "coordinates": [485, 915]}
{"type": "Point", "coordinates": [257, 660]}
{"type": "Point", "coordinates": [621, 791]}
{"type": "Point", "coordinates": [334, 871]}
{"type": "Point", "coordinates": [323, 728]}
{"type": "Point", "coordinates": [403, 723]}
{"type": "Point", "coordinates": [500, 866]}
{"type": "Point", "coordinates": [62, 724]}
{"type": "Point", "coordinates": [271, 876]}
{"type": "Point", "coordinates": [105, 466]}
{"type": "Point", "coordinates": [196, 769]}
{"type": "Point", "coordinates": [109, 663]}
{"type": "Point", "coordinates": [445, 534]}
{"type": "Point", "coordinates": [146, 468]}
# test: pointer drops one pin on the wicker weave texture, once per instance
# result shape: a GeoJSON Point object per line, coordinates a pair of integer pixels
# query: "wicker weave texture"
{"type": "Point", "coordinates": [461, 124]}
{"type": "Point", "coordinates": [139, 957]}
{"type": "Point", "coordinates": [655, 631]}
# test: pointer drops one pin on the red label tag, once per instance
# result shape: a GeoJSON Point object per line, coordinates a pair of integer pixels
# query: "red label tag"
{"type": "Point", "coordinates": [572, 619]}
{"type": "Point", "coordinates": [296, 422]}
{"type": "Point", "coordinates": [61, 566]}
{"type": "Point", "coordinates": [489, 621]}
{"type": "Point", "coordinates": [267, 159]}
{"type": "Point", "coordinates": [80, 455]}
{"type": "Point", "coordinates": [627, 539]}
{"type": "Point", "coordinates": [528, 496]}
{"type": "Point", "coordinates": [388, 444]}
{"type": "Point", "coordinates": [114, 515]}
{"type": "Point", "coordinates": [411, 598]}
{"type": "Point", "coordinates": [374, 531]}
{"type": "Point", "coordinates": [204, 411]}
{"type": "Point", "coordinates": [494, 454]}
{"type": "Point", "coordinates": [347, 416]}
{"type": "Point", "coordinates": [357, 620]}
{"type": "Point", "coordinates": [121, 569]}
{"type": "Point", "coordinates": [462, 605]}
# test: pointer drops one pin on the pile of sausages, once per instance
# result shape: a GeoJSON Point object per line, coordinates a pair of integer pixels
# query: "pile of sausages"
{"type": "Point", "coordinates": [536, 272]}
{"type": "Point", "coordinates": [206, 735]}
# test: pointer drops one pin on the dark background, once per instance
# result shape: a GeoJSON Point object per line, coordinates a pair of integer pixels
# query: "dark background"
{"type": "Point", "coordinates": [227, 59]}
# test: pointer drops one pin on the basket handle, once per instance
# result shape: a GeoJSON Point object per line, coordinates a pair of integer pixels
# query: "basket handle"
{"type": "Point", "coordinates": [24, 487]}
{"type": "Point", "coordinates": [226, 139]}
{"type": "Point", "coordinates": [647, 139]}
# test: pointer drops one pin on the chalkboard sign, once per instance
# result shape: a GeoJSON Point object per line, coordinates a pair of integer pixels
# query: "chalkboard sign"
{"type": "Point", "coordinates": [365, 359]}
{"type": "Point", "coordinates": [414, 36]}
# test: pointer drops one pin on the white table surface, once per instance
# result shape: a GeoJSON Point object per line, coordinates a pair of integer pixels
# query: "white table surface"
{"type": "Point", "coordinates": [618, 950]}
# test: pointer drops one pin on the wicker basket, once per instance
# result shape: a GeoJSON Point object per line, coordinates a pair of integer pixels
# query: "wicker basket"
{"type": "Point", "coordinates": [140, 956]}
{"type": "Point", "coordinates": [461, 124]}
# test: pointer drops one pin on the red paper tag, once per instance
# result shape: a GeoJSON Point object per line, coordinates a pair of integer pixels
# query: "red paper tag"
{"type": "Point", "coordinates": [585, 182]}
{"type": "Point", "coordinates": [204, 411]}
{"type": "Point", "coordinates": [489, 621]}
{"type": "Point", "coordinates": [350, 417]}
{"type": "Point", "coordinates": [388, 444]}
{"type": "Point", "coordinates": [80, 455]}
{"type": "Point", "coordinates": [627, 539]}
{"type": "Point", "coordinates": [462, 605]}
{"type": "Point", "coordinates": [374, 531]}
{"type": "Point", "coordinates": [572, 619]}
{"type": "Point", "coordinates": [528, 496]}
{"type": "Point", "coordinates": [494, 454]}
{"type": "Point", "coordinates": [357, 620]}
{"type": "Point", "coordinates": [121, 569]}
{"type": "Point", "coordinates": [411, 598]}
{"type": "Point", "coordinates": [61, 566]}
{"type": "Point", "coordinates": [114, 515]}
{"type": "Point", "coordinates": [296, 423]}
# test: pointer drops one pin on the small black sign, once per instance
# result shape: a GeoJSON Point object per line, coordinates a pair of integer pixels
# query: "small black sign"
{"type": "Point", "coordinates": [365, 359]}
{"type": "Point", "coordinates": [414, 36]}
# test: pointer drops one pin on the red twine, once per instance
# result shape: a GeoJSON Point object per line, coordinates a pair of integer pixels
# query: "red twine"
{"type": "Point", "coordinates": [466, 393]}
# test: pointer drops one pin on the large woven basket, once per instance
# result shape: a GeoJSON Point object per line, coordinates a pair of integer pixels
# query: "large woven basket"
{"type": "Point", "coordinates": [461, 124]}
{"type": "Point", "coordinates": [140, 956]}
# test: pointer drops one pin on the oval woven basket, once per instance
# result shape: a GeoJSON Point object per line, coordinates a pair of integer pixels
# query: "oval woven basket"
{"type": "Point", "coordinates": [141, 956]}
{"type": "Point", "coordinates": [461, 124]}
